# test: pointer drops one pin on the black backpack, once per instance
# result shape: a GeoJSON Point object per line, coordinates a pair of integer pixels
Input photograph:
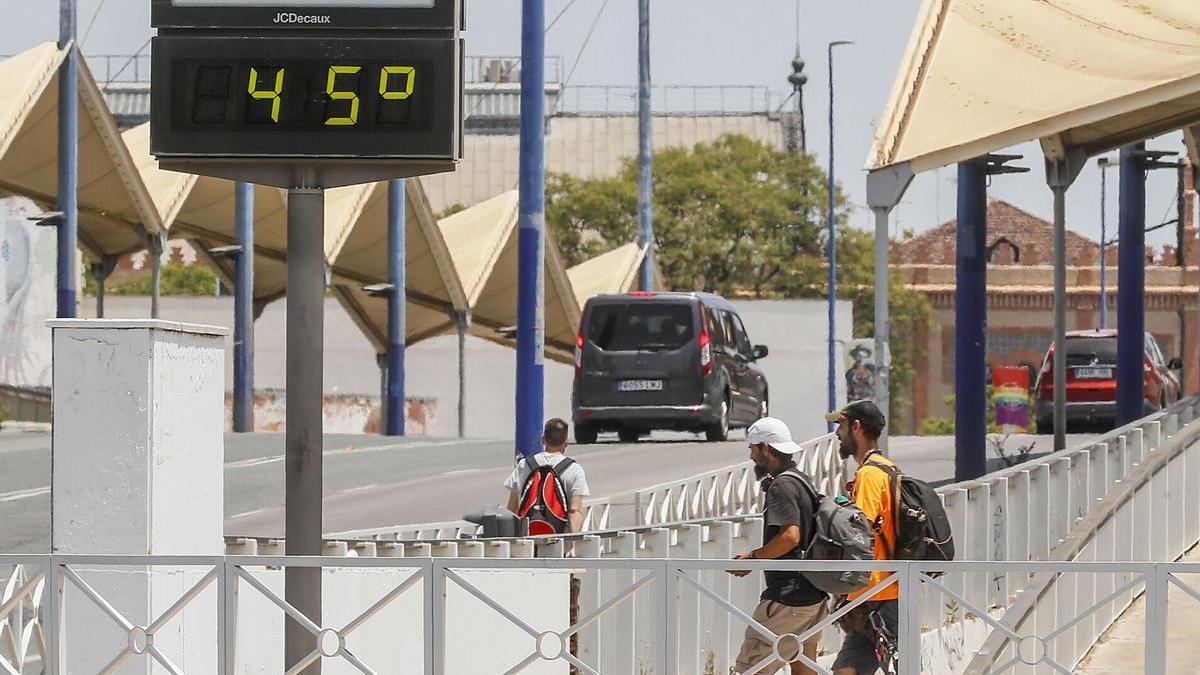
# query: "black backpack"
{"type": "Point", "coordinates": [543, 500]}
{"type": "Point", "coordinates": [922, 526]}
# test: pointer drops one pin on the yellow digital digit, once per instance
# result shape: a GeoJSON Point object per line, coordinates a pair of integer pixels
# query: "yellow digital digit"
{"type": "Point", "coordinates": [336, 95]}
{"type": "Point", "coordinates": [272, 95]}
{"type": "Point", "coordinates": [385, 82]}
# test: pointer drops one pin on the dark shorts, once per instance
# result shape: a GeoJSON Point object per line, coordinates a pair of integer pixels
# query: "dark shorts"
{"type": "Point", "coordinates": [858, 648]}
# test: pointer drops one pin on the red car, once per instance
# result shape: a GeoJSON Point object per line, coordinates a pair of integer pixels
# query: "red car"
{"type": "Point", "coordinates": [1092, 379]}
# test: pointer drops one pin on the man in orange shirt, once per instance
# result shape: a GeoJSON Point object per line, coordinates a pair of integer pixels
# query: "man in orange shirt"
{"type": "Point", "coordinates": [859, 426]}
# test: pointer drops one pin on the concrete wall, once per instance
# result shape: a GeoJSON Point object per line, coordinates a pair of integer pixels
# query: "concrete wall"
{"type": "Point", "coordinates": [793, 329]}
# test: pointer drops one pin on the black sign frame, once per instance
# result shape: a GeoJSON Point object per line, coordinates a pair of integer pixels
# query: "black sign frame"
{"type": "Point", "coordinates": [442, 140]}
{"type": "Point", "coordinates": [445, 15]}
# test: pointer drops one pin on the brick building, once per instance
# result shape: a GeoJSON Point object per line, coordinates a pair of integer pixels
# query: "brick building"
{"type": "Point", "coordinates": [1021, 297]}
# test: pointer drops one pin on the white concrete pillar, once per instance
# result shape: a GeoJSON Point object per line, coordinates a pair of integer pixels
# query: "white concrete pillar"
{"type": "Point", "coordinates": [137, 470]}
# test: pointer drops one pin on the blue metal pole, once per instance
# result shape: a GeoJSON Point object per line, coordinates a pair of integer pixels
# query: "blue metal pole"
{"type": "Point", "coordinates": [1131, 283]}
{"type": "Point", "coordinates": [243, 311]}
{"type": "Point", "coordinates": [397, 299]}
{"type": "Point", "coordinates": [970, 322]}
{"type": "Point", "coordinates": [1103, 164]}
{"type": "Point", "coordinates": [645, 149]}
{"type": "Point", "coordinates": [531, 318]}
{"type": "Point", "coordinates": [831, 365]}
{"type": "Point", "coordinates": [68, 160]}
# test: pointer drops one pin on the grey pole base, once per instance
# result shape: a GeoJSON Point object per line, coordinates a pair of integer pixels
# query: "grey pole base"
{"type": "Point", "coordinates": [305, 363]}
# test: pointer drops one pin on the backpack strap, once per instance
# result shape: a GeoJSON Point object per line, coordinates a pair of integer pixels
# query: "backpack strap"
{"type": "Point", "coordinates": [531, 463]}
{"type": "Point", "coordinates": [814, 498]}
{"type": "Point", "coordinates": [893, 473]}
{"type": "Point", "coordinates": [561, 468]}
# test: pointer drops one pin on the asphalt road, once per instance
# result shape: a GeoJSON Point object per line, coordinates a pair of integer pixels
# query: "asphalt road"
{"type": "Point", "coordinates": [372, 481]}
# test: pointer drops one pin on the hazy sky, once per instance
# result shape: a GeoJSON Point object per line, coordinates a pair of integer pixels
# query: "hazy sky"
{"type": "Point", "coordinates": [716, 42]}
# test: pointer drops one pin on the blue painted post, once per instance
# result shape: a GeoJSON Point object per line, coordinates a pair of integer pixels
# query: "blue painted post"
{"type": "Point", "coordinates": [1131, 283]}
{"type": "Point", "coordinates": [243, 311]}
{"type": "Point", "coordinates": [645, 149]}
{"type": "Point", "coordinates": [68, 160]}
{"type": "Point", "coordinates": [831, 365]}
{"type": "Point", "coordinates": [531, 319]}
{"type": "Point", "coordinates": [1103, 163]}
{"type": "Point", "coordinates": [970, 322]}
{"type": "Point", "coordinates": [397, 300]}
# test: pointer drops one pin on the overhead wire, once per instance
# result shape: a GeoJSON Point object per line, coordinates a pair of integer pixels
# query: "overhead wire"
{"type": "Point", "coordinates": [92, 22]}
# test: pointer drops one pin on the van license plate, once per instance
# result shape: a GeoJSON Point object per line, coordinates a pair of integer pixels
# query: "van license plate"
{"type": "Point", "coordinates": [640, 385]}
{"type": "Point", "coordinates": [1094, 373]}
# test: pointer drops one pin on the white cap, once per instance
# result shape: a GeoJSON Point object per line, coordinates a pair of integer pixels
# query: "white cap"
{"type": "Point", "coordinates": [774, 433]}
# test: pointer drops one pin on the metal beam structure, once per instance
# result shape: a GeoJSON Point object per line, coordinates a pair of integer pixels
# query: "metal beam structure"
{"type": "Point", "coordinates": [531, 314]}
{"type": "Point", "coordinates": [243, 310]}
{"type": "Point", "coordinates": [1062, 167]}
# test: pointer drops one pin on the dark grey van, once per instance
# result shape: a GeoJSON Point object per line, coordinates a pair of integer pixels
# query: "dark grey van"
{"type": "Point", "coordinates": [679, 361]}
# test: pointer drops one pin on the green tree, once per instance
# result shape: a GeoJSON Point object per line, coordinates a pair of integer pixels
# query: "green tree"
{"type": "Point", "coordinates": [739, 217]}
{"type": "Point", "coordinates": [176, 279]}
{"type": "Point", "coordinates": [729, 216]}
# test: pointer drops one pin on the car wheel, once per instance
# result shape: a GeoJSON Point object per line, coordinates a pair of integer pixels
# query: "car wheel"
{"type": "Point", "coordinates": [629, 435]}
{"type": "Point", "coordinates": [585, 434]}
{"type": "Point", "coordinates": [764, 409]}
{"type": "Point", "coordinates": [720, 431]}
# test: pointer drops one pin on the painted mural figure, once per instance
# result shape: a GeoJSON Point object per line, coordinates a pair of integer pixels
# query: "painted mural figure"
{"type": "Point", "coordinates": [860, 376]}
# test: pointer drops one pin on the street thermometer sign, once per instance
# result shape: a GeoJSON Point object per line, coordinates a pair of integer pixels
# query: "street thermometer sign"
{"type": "Point", "coordinates": [346, 90]}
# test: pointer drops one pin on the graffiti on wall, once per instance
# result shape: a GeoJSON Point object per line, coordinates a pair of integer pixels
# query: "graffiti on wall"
{"type": "Point", "coordinates": [344, 413]}
{"type": "Point", "coordinates": [27, 294]}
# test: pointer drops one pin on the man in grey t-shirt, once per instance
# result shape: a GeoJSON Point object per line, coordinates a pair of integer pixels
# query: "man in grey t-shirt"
{"type": "Point", "coordinates": [574, 481]}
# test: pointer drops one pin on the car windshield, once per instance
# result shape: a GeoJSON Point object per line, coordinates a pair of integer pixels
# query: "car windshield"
{"type": "Point", "coordinates": [640, 326]}
{"type": "Point", "coordinates": [1091, 351]}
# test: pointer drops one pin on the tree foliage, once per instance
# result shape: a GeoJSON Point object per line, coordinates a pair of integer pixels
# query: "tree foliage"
{"type": "Point", "coordinates": [176, 279]}
{"type": "Point", "coordinates": [740, 218]}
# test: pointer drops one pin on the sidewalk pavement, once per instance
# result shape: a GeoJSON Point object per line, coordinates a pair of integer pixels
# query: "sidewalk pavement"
{"type": "Point", "coordinates": [1122, 649]}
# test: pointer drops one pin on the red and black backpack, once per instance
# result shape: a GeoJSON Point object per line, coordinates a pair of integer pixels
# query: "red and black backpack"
{"type": "Point", "coordinates": [543, 500]}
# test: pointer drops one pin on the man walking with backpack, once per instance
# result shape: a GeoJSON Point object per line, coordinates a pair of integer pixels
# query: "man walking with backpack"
{"type": "Point", "coordinates": [876, 622]}
{"type": "Point", "coordinates": [789, 604]}
{"type": "Point", "coordinates": [549, 487]}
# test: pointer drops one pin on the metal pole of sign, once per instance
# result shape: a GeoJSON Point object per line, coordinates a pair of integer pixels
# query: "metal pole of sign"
{"type": "Point", "coordinates": [645, 149]}
{"type": "Point", "coordinates": [68, 159]}
{"type": "Point", "coordinates": [305, 363]}
{"type": "Point", "coordinates": [396, 307]}
{"type": "Point", "coordinates": [531, 317]}
{"type": "Point", "coordinates": [243, 311]}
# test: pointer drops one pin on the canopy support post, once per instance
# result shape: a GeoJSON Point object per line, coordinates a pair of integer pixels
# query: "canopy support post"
{"type": "Point", "coordinates": [243, 310]}
{"type": "Point", "coordinates": [1131, 285]}
{"type": "Point", "coordinates": [885, 188]}
{"type": "Point", "coordinates": [100, 272]}
{"type": "Point", "coordinates": [1062, 166]}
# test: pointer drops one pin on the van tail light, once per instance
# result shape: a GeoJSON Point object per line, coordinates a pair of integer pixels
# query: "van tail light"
{"type": "Point", "coordinates": [579, 354]}
{"type": "Point", "coordinates": [705, 354]}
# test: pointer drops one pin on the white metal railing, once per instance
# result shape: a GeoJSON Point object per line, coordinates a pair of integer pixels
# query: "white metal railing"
{"type": "Point", "coordinates": [596, 516]}
{"type": "Point", "coordinates": [734, 490]}
{"type": "Point", "coordinates": [650, 605]}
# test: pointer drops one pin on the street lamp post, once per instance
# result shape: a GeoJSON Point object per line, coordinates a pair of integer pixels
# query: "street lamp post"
{"type": "Point", "coordinates": [832, 365]}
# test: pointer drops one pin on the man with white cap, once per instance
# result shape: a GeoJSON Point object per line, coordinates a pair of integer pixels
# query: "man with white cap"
{"type": "Point", "coordinates": [790, 605]}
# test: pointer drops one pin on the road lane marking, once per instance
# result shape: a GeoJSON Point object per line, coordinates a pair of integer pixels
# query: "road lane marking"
{"type": "Point", "coordinates": [272, 459]}
{"type": "Point", "coordinates": [24, 494]}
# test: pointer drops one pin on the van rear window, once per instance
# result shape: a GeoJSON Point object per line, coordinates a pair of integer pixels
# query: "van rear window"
{"type": "Point", "coordinates": [640, 326]}
{"type": "Point", "coordinates": [1091, 351]}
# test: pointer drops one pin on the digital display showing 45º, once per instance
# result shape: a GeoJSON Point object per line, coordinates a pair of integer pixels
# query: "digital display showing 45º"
{"type": "Point", "coordinates": [298, 96]}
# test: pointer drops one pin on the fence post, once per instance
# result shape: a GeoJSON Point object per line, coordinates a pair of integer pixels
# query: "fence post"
{"type": "Point", "coordinates": [53, 607]}
{"type": "Point", "coordinates": [1156, 620]}
{"type": "Point", "coordinates": [909, 641]}
{"type": "Point", "coordinates": [227, 617]}
{"type": "Point", "coordinates": [668, 655]}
